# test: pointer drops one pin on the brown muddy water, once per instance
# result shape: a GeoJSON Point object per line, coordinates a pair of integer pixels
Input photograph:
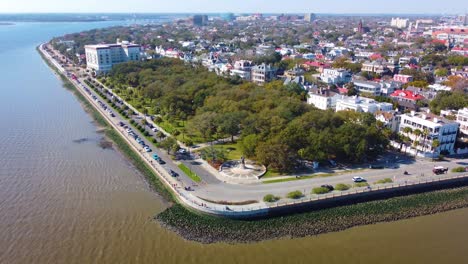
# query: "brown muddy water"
{"type": "Point", "coordinates": [64, 199]}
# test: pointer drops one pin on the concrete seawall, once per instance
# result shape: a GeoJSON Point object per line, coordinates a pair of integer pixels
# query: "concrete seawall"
{"type": "Point", "coordinates": [367, 196]}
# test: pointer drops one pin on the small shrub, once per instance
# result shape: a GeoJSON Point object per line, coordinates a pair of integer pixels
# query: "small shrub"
{"type": "Point", "coordinates": [320, 190]}
{"type": "Point", "coordinates": [342, 187]}
{"type": "Point", "coordinates": [458, 169]}
{"type": "Point", "coordinates": [154, 140]}
{"type": "Point", "coordinates": [295, 195]}
{"type": "Point", "coordinates": [361, 184]}
{"type": "Point", "coordinates": [270, 198]}
{"type": "Point", "coordinates": [383, 181]}
{"type": "Point", "coordinates": [158, 119]}
{"type": "Point", "coordinates": [132, 122]}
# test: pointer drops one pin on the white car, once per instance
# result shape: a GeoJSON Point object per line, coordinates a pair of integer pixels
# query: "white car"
{"type": "Point", "coordinates": [154, 129]}
{"type": "Point", "coordinates": [358, 179]}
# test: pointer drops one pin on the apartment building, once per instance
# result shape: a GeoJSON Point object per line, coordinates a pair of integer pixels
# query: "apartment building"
{"type": "Point", "coordinates": [437, 128]}
{"type": "Point", "coordinates": [102, 57]}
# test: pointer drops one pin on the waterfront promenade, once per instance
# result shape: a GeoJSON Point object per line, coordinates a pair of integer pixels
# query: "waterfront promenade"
{"type": "Point", "coordinates": [220, 191]}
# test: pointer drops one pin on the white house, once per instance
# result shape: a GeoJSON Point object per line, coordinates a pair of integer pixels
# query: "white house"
{"type": "Point", "coordinates": [438, 128]}
{"type": "Point", "coordinates": [323, 98]}
{"type": "Point", "coordinates": [462, 119]}
{"type": "Point", "coordinates": [242, 68]}
{"type": "Point", "coordinates": [335, 76]}
{"type": "Point", "coordinates": [361, 104]}
{"type": "Point", "coordinates": [100, 58]}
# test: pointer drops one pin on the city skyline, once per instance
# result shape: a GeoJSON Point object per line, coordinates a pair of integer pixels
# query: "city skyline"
{"type": "Point", "coordinates": [253, 6]}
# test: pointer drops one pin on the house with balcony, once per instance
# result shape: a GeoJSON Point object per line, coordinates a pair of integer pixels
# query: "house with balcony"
{"type": "Point", "coordinates": [263, 73]}
{"type": "Point", "coordinates": [462, 119]}
{"type": "Point", "coordinates": [243, 69]}
{"type": "Point", "coordinates": [433, 128]}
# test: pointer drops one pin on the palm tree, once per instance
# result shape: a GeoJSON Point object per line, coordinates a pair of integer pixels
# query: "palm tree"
{"type": "Point", "coordinates": [417, 133]}
{"type": "Point", "coordinates": [425, 134]}
{"type": "Point", "coordinates": [407, 131]}
{"type": "Point", "coordinates": [435, 145]}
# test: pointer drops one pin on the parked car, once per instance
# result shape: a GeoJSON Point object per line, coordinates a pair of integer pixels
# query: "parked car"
{"type": "Point", "coordinates": [160, 161]}
{"type": "Point", "coordinates": [332, 163]}
{"type": "Point", "coordinates": [182, 151]}
{"type": "Point", "coordinates": [156, 157]}
{"type": "Point", "coordinates": [121, 124]}
{"type": "Point", "coordinates": [376, 167]}
{"type": "Point", "coordinates": [154, 129]}
{"type": "Point", "coordinates": [147, 149]}
{"type": "Point", "coordinates": [358, 179]}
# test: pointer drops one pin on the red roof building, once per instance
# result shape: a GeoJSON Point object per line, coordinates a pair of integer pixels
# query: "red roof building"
{"type": "Point", "coordinates": [406, 95]}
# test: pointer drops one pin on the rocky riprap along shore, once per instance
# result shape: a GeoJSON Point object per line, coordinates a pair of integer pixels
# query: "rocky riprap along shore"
{"type": "Point", "coordinates": [210, 229]}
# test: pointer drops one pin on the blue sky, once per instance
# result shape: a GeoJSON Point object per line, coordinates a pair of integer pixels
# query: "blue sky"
{"type": "Point", "coordinates": [236, 6]}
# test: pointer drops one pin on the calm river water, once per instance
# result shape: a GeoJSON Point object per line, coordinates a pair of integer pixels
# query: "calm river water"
{"type": "Point", "coordinates": [63, 199]}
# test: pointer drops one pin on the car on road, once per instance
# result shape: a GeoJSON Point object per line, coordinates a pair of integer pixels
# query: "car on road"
{"type": "Point", "coordinates": [173, 173]}
{"type": "Point", "coordinates": [358, 179]}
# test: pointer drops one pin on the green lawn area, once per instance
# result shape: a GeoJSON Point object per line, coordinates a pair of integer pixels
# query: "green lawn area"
{"type": "Point", "coordinates": [271, 174]}
{"type": "Point", "coordinates": [192, 175]}
{"type": "Point", "coordinates": [292, 179]}
{"type": "Point", "coordinates": [233, 151]}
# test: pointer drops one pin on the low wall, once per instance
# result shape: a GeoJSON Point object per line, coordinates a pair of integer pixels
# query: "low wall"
{"type": "Point", "coordinates": [367, 196]}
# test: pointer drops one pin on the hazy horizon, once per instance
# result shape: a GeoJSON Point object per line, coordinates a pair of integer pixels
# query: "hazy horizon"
{"type": "Point", "coordinates": [419, 7]}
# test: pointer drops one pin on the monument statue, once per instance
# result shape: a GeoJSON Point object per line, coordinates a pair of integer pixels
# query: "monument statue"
{"type": "Point", "coordinates": [243, 162]}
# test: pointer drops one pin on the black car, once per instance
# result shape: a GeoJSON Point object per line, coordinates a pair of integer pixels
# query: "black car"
{"type": "Point", "coordinates": [121, 124]}
{"type": "Point", "coordinates": [160, 161]}
{"type": "Point", "coordinates": [329, 187]}
{"type": "Point", "coordinates": [173, 173]}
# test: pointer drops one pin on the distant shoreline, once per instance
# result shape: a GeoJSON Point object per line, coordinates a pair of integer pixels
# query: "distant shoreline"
{"type": "Point", "coordinates": [6, 24]}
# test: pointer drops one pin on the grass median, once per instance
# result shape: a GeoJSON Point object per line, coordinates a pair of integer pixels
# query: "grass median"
{"type": "Point", "coordinates": [192, 175]}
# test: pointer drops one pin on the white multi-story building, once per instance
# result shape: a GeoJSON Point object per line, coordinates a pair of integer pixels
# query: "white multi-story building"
{"type": "Point", "coordinates": [361, 104]}
{"type": "Point", "coordinates": [335, 76]}
{"type": "Point", "coordinates": [263, 73]}
{"type": "Point", "coordinates": [242, 68]}
{"type": "Point", "coordinates": [399, 22]}
{"type": "Point", "coordinates": [462, 119]}
{"type": "Point", "coordinates": [100, 58]}
{"type": "Point", "coordinates": [375, 88]}
{"type": "Point", "coordinates": [322, 98]}
{"type": "Point", "coordinates": [437, 128]}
